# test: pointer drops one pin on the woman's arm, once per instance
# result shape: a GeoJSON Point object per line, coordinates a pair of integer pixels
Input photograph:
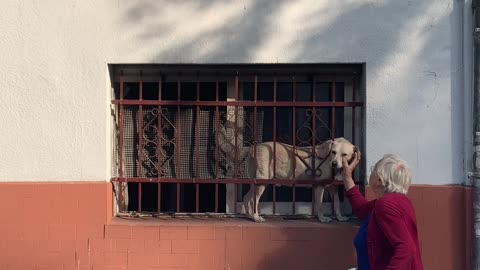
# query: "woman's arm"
{"type": "Point", "coordinates": [347, 170]}
{"type": "Point", "coordinates": [360, 206]}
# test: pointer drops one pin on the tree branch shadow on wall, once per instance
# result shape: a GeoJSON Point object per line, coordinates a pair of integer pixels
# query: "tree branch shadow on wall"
{"type": "Point", "coordinates": [362, 30]}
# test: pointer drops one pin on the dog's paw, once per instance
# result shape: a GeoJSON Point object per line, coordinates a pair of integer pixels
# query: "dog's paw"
{"type": "Point", "coordinates": [258, 218]}
{"type": "Point", "coordinates": [342, 218]}
{"type": "Point", "coordinates": [324, 219]}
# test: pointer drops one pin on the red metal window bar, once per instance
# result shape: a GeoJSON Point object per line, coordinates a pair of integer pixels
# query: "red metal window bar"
{"type": "Point", "coordinates": [168, 151]}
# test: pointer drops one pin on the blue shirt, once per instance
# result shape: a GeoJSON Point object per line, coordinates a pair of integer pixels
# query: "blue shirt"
{"type": "Point", "coordinates": [360, 243]}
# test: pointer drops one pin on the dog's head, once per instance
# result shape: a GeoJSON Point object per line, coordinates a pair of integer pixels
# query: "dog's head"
{"type": "Point", "coordinates": [341, 148]}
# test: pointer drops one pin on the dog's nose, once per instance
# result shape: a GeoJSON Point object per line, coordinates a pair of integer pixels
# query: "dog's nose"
{"type": "Point", "coordinates": [334, 163]}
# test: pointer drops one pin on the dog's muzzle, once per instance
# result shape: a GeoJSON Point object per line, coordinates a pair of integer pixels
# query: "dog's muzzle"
{"type": "Point", "coordinates": [337, 173]}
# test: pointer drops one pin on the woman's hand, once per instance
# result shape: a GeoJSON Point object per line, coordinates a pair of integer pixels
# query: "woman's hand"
{"type": "Point", "coordinates": [348, 170]}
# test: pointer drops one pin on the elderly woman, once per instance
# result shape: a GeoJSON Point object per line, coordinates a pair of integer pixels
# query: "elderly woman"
{"type": "Point", "coordinates": [390, 238]}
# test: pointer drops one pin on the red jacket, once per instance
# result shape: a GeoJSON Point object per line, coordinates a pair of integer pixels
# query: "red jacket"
{"type": "Point", "coordinates": [392, 238]}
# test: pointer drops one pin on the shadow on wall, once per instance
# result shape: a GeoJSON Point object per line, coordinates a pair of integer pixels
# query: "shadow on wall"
{"type": "Point", "coordinates": [405, 43]}
{"type": "Point", "coordinates": [444, 213]}
{"type": "Point", "coordinates": [304, 31]}
{"type": "Point", "coordinates": [285, 31]}
{"type": "Point", "coordinates": [207, 32]}
{"type": "Point", "coordinates": [307, 248]}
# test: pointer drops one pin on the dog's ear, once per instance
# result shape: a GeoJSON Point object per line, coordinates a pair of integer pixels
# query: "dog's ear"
{"type": "Point", "coordinates": [331, 142]}
{"type": "Point", "coordinates": [356, 150]}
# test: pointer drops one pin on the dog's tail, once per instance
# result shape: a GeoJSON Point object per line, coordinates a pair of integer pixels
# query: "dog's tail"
{"type": "Point", "coordinates": [231, 147]}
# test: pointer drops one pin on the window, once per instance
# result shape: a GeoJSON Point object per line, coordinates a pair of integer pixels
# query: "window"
{"type": "Point", "coordinates": [180, 131]}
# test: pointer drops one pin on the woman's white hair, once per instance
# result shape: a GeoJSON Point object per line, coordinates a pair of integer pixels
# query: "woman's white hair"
{"type": "Point", "coordinates": [394, 174]}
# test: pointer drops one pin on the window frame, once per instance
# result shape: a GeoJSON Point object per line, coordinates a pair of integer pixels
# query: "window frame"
{"type": "Point", "coordinates": [234, 74]}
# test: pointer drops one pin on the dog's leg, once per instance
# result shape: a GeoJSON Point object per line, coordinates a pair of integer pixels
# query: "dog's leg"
{"type": "Point", "coordinates": [318, 192]}
{"type": "Point", "coordinates": [336, 204]}
{"type": "Point", "coordinates": [248, 202]}
{"type": "Point", "coordinates": [259, 189]}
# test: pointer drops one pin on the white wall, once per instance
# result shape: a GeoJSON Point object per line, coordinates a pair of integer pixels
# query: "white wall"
{"type": "Point", "coordinates": [54, 56]}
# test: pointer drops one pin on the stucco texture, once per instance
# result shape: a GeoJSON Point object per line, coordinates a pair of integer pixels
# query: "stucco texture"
{"type": "Point", "coordinates": [55, 84]}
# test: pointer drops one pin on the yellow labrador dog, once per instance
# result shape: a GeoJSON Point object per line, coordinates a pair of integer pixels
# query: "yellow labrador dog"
{"type": "Point", "coordinates": [297, 163]}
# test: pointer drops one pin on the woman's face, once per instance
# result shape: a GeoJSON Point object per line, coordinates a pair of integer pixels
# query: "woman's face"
{"type": "Point", "coordinates": [374, 182]}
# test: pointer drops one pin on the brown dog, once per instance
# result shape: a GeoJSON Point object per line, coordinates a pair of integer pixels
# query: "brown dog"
{"type": "Point", "coordinates": [328, 158]}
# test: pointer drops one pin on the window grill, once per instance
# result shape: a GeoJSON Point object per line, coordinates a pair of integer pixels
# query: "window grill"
{"type": "Point", "coordinates": [182, 131]}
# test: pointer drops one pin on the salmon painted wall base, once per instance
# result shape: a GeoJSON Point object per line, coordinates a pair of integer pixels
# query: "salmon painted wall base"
{"type": "Point", "coordinates": [70, 226]}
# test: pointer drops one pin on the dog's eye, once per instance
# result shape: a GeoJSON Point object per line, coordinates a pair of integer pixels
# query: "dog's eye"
{"type": "Point", "coordinates": [333, 152]}
{"type": "Point", "coordinates": [344, 155]}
